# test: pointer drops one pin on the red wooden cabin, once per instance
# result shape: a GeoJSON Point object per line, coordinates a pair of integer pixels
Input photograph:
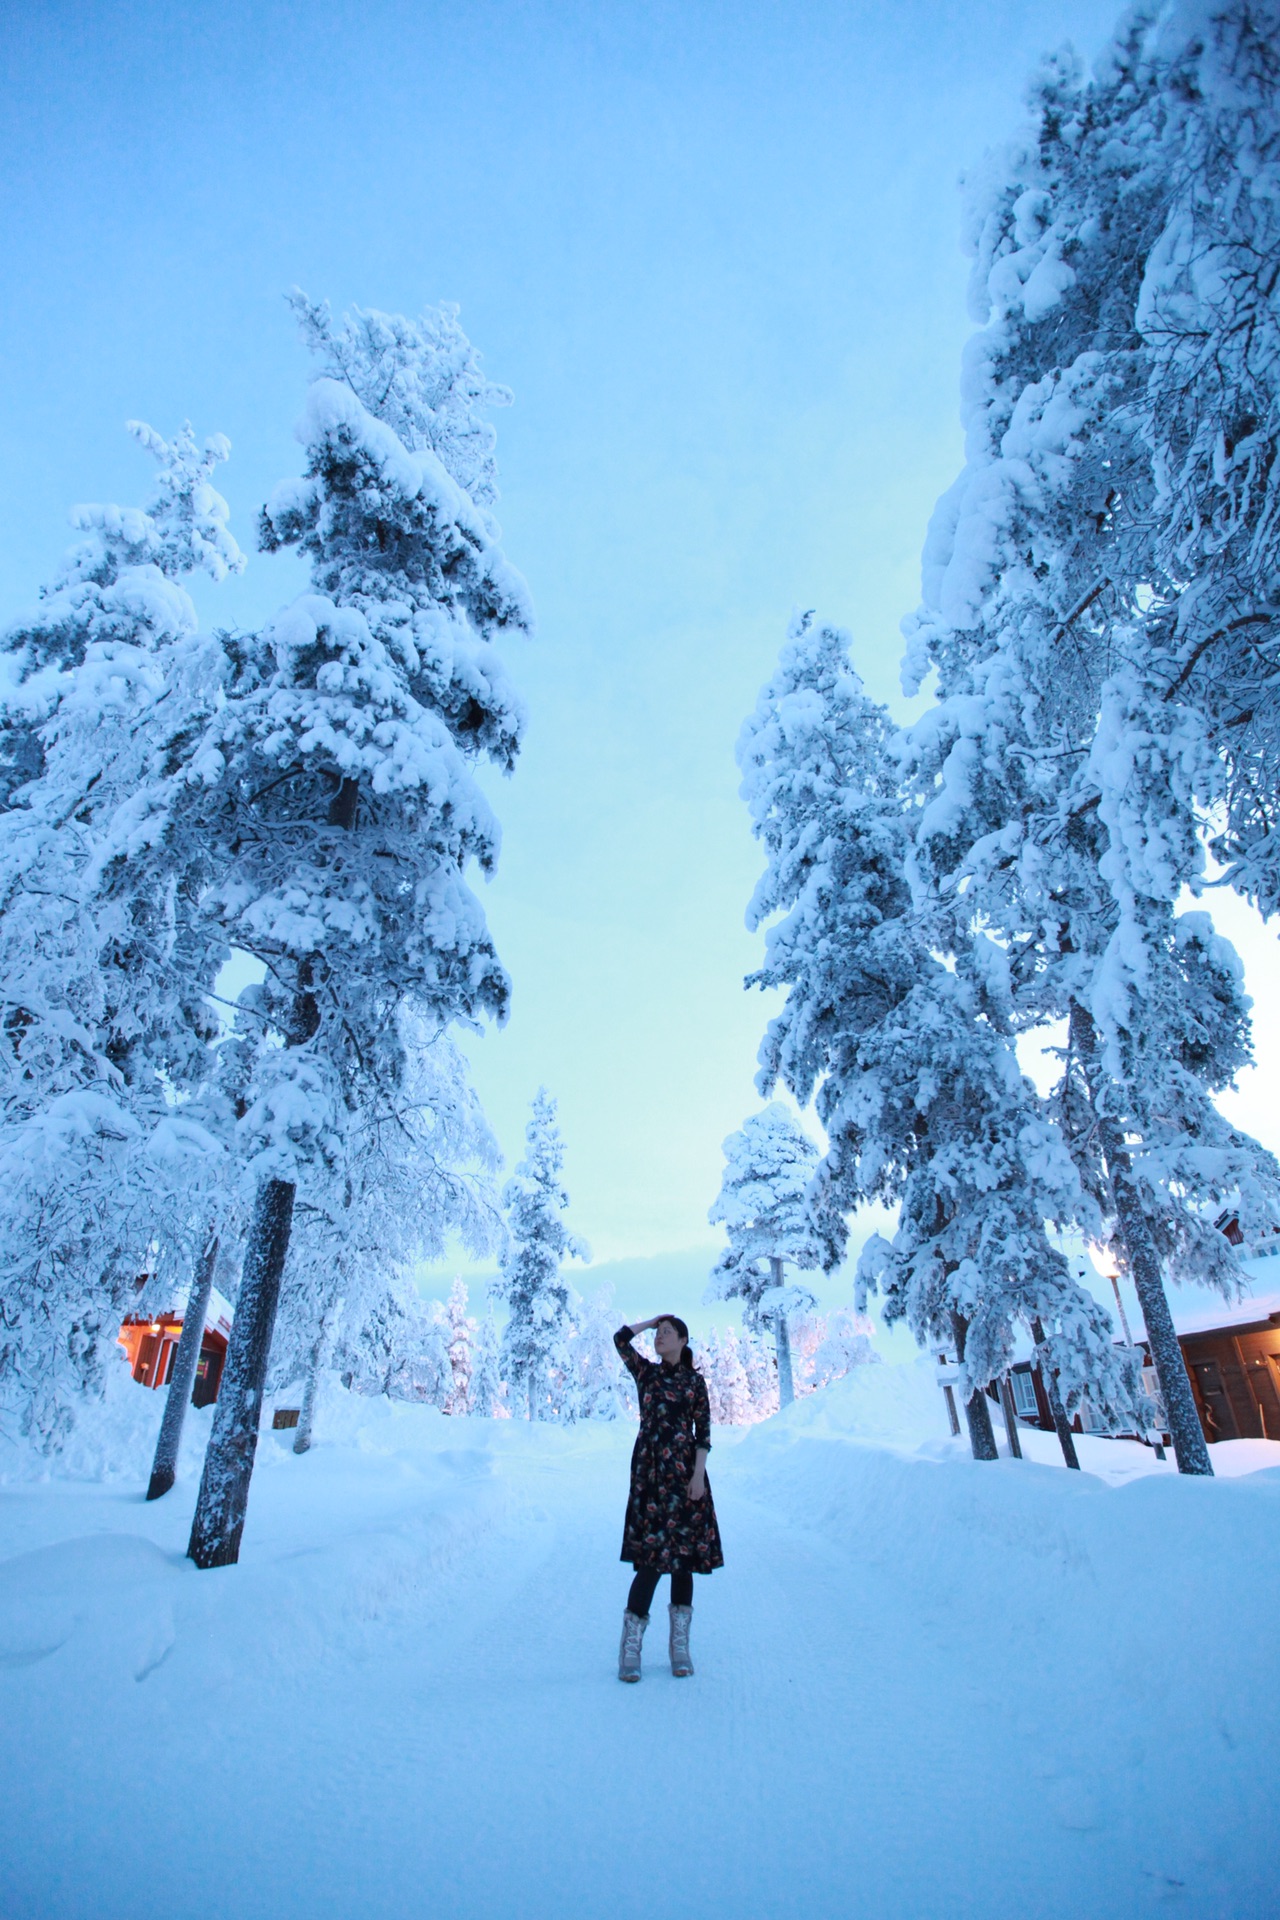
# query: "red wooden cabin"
{"type": "Point", "coordinates": [152, 1342]}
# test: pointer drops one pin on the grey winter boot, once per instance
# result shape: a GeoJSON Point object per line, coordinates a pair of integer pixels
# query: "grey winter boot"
{"type": "Point", "coordinates": [633, 1626]}
{"type": "Point", "coordinates": [681, 1621]}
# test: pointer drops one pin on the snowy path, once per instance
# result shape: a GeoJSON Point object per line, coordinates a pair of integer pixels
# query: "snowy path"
{"type": "Point", "coordinates": [924, 1688]}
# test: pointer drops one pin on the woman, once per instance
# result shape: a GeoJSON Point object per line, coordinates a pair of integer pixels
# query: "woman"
{"type": "Point", "coordinates": [671, 1523]}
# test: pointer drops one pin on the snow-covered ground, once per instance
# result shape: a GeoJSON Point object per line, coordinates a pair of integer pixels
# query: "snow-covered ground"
{"type": "Point", "coordinates": [925, 1687]}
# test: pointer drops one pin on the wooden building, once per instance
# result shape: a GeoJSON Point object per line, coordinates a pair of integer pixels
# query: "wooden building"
{"type": "Point", "coordinates": [151, 1343]}
{"type": "Point", "coordinates": [1233, 1359]}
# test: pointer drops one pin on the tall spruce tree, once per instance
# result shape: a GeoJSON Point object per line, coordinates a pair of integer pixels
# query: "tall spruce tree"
{"type": "Point", "coordinates": [764, 1206]}
{"type": "Point", "coordinates": [1208, 417]}
{"type": "Point", "coordinates": [103, 1175]}
{"type": "Point", "coordinates": [486, 1379]}
{"type": "Point", "coordinates": [897, 1022]}
{"type": "Point", "coordinates": [336, 789]}
{"type": "Point", "coordinates": [462, 1342]}
{"type": "Point", "coordinates": [1065, 772]}
{"type": "Point", "coordinates": [536, 1363]}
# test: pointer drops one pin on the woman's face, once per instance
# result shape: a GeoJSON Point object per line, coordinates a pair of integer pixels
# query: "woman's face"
{"type": "Point", "coordinates": [668, 1343]}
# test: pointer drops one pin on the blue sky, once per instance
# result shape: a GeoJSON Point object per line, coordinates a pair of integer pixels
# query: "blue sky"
{"type": "Point", "coordinates": [715, 250]}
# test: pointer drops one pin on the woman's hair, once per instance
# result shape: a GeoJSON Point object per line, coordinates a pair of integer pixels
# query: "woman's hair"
{"type": "Point", "coordinates": [674, 1320]}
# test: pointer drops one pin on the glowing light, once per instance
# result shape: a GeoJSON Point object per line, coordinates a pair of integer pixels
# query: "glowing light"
{"type": "Point", "coordinates": [1104, 1260]}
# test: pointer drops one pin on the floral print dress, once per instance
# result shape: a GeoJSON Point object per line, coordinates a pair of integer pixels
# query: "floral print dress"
{"type": "Point", "coordinates": [664, 1528]}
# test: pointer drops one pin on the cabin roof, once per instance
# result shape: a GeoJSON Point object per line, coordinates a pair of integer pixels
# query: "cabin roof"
{"type": "Point", "coordinates": [217, 1317]}
{"type": "Point", "coordinates": [1257, 1309]}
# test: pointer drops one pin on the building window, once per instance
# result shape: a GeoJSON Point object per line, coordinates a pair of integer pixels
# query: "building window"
{"type": "Point", "coordinates": [1024, 1395]}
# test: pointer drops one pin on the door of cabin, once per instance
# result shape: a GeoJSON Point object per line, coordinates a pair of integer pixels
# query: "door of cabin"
{"type": "Point", "coordinates": [1262, 1371]}
{"type": "Point", "coordinates": [1212, 1394]}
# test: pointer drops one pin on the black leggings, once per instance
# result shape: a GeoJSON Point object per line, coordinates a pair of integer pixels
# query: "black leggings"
{"type": "Point", "coordinates": [645, 1585]}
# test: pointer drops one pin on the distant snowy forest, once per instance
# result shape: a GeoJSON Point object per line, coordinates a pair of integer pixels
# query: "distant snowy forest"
{"type": "Point", "coordinates": [1031, 861]}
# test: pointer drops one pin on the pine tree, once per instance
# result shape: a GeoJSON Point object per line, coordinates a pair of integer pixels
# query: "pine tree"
{"type": "Point", "coordinates": [462, 1333]}
{"type": "Point", "coordinates": [846, 1343]}
{"type": "Point", "coordinates": [398, 1347]}
{"type": "Point", "coordinates": [734, 1387]}
{"type": "Point", "coordinates": [760, 1370]}
{"type": "Point", "coordinates": [898, 1021]}
{"type": "Point", "coordinates": [596, 1383]}
{"type": "Point", "coordinates": [1066, 773]}
{"type": "Point", "coordinates": [534, 1344]}
{"type": "Point", "coordinates": [336, 790]}
{"type": "Point", "coordinates": [765, 1208]}
{"type": "Point", "coordinates": [711, 1364]}
{"type": "Point", "coordinates": [487, 1399]}
{"type": "Point", "coordinates": [415, 1172]}
{"type": "Point", "coordinates": [102, 1029]}
{"type": "Point", "coordinates": [1208, 549]}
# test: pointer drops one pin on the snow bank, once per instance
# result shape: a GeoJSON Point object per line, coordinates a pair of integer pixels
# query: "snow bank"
{"type": "Point", "coordinates": [113, 1439]}
{"type": "Point", "coordinates": [898, 1405]}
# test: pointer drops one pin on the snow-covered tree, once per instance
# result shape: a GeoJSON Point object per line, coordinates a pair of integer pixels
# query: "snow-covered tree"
{"type": "Point", "coordinates": [111, 1165]}
{"type": "Point", "coordinates": [846, 1342]}
{"type": "Point", "coordinates": [597, 1385]}
{"type": "Point", "coordinates": [336, 790]}
{"type": "Point", "coordinates": [1208, 417]}
{"type": "Point", "coordinates": [760, 1368]}
{"type": "Point", "coordinates": [898, 1022]}
{"type": "Point", "coordinates": [462, 1335]}
{"type": "Point", "coordinates": [487, 1391]}
{"type": "Point", "coordinates": [709, 1364]}
{"type": "Point", "coordinates": [399, 1347]}
{"type": "Point", "coordinates": [765, 1207]}
{"type": "Point", "coordinates": [535, 1340]}
{"type": "Point", "coordinates": [1069, 766]}
{"type": "Point", "coordinates": [733, 1389]}
{"type": "Point", "coordinates": [415, 1173]}
{"type": "Point", "coordinates": [117, 595]}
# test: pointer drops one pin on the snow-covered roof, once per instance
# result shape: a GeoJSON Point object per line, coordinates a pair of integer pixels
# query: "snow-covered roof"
{"type": "Point", "coordinates": [217, 1317]}
{"type": "Point", "coordinates": [1241, 1313]}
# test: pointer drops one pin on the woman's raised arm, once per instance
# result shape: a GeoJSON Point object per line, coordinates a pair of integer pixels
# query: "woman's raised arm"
{"type": "Point", "coordinates": [635, 1363]}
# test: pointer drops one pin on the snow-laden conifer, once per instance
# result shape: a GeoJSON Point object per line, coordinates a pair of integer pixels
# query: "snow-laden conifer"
{"type": "Point", "coordinates": [487, 1392]}
{"type": "Point", "coordinates": [760, 1369]}
{"type": "Point", "coordinates": [597, 1385]}
{"type": "Point", "coordinates": [846, 1341]}
{"type": "Point", "coordinates": [710, 1367]}
{"type": "Point", "coordinates": [103, 1177]}
{"type": "Point", "coordinates": [764, 1206]}
{"type": "Point", "coordinates": [535, 1359]}
{"type": "Point", "coordinates": [117, 593]}
{"type": "Point", "coordinates": [897, 1022]}
{"type": "Point", "coordinates": [1207, 313]}
{"type": "Point", "coordinates": [337, 789]}
{"type": "Point", "coordinates": [733, 1389]}
{"type": "Point", "coordinates": [462, 1335]}
{"type": "Point", "coordinates": [1066, 769]}
{"type": "Point", "coordinates": [398, 1346]}
{"type": "Point", "coordinates": [414, 1176]}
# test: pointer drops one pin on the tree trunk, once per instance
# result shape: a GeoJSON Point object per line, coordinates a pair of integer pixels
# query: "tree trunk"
{"type": "Point", "coordinates": [228, 1466]}
{"type": "Point", "coordinates": [1189, 1447]}
{"type": "Point", "coordinates": [1010, 1418]}
{"type": "Point", "coordinates": [1061, 1425]}
{"type": "Point", "coordinates": [977, 1408]}
{"type": "Point", "coordinates": [164, 1469]}
{"type": "Point", "coordinates": [1143, 1263]}
{"type": "Point", "coordinates": [306, 1418]}
{"type": "Point", "coordinates": [782, 1341]}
